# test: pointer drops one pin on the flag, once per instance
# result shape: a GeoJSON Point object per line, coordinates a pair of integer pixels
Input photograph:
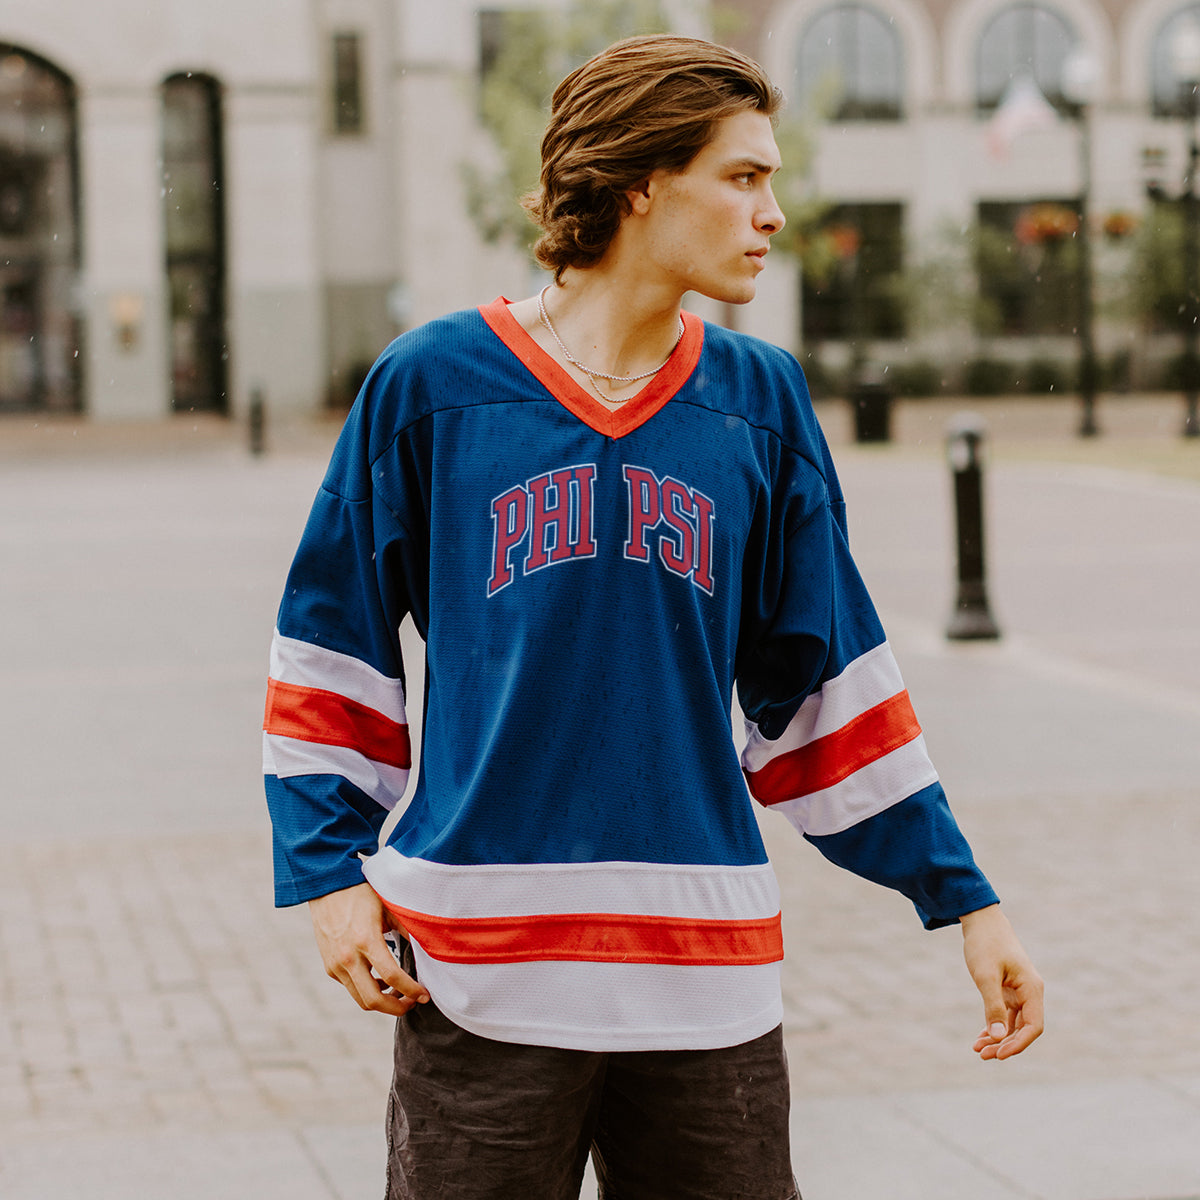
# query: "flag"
{"type": "Point", "coordinates": [1022, 109]}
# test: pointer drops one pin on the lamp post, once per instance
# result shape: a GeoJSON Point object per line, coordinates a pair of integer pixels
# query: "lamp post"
{"type": "Point", "coordinates": [1079, 86]}
{"type": "Point", "coordinates": [1184, 54]}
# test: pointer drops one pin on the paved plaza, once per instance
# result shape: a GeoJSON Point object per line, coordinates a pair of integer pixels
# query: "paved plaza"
{"type": "Point", "coordinates": [166, 1033]}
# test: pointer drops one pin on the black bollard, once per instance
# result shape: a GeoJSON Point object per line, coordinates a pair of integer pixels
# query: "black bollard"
{"type": "Point", "coordinates": [972, 619]}
{"type": "Point", "coordinates": [257, 422]}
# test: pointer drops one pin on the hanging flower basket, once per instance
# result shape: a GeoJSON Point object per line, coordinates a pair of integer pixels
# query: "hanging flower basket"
{"type": "Point", "coordinates": [844, 239]}
{"type": "Point", "coordinates": [1045, 224]}
{"type": "Point", "coordinates": [1119, 224]}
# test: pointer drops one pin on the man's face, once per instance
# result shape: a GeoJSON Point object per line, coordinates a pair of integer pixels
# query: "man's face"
{"type": "Point", "coordinates": [709, 226]}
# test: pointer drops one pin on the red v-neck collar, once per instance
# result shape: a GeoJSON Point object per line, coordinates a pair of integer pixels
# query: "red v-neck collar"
{"type": "Point", "coordinates": [614, 422]}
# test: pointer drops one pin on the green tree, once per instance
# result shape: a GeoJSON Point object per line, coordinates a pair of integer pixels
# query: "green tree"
{"type": "Point", "coordinates": [526, 52]}
{"type": "Point", "coordinates": [1157, 266]}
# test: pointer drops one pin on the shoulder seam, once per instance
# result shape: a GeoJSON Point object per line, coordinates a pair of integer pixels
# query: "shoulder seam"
{"type": "Point", "coordinates": [767, 429]}
{"type": "Point", "coordinates": [367, 500]}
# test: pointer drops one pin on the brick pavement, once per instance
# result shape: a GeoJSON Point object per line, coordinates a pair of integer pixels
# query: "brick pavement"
{"type": "Point", "coordinates": [148, 981]}
{"type": "Point", "coordinates": [1096, 887]}
{"type": "Point", "coordinates": [136, 992]}
{"type": "Point", "coordinates": [147, 984]}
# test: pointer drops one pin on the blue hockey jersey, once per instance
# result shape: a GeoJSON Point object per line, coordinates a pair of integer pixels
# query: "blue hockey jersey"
{"type": "Point", "coordinates": [580, 864]}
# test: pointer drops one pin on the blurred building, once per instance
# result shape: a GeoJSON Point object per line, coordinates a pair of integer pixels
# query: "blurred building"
{"type": "Point", "coordinates": [201, 201]}
{"type": "Point", "coordinates": [955, 143]}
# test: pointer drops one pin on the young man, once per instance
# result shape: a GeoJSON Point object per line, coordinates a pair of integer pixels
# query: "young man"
{"type": "Point", "coordinates": [602, 515]}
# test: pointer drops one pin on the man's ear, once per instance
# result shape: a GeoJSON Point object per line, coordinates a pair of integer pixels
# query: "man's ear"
{"type": "Point", "coordinates": [638, 198]}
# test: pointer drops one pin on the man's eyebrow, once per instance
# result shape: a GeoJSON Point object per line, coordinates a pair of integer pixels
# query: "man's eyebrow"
{"type": "Point", "coordinates": [752, 164]}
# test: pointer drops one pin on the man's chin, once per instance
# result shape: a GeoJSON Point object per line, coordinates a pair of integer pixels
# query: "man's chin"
{"type": "Point", "coordinates": [743, 293]}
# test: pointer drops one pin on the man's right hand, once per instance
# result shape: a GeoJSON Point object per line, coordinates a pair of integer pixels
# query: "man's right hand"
{"type": "Point", "coordinates": [349, 926]}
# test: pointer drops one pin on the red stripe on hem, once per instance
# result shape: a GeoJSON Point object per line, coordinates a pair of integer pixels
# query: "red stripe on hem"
{"type": "Point", "coordinates": [838, 755]}
{"type": "Point", "coordinates": [575, 399]}
{"type": "Point", "coordinates": [327, 719]}
{"type": "Point", "coordinates": [595, 937]}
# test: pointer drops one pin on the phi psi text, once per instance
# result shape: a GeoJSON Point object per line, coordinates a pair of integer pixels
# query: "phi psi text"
{"type": "Point", "coordinates": [549, 520]}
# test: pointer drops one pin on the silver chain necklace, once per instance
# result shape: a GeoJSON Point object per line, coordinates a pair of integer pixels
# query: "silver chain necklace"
{"type": "Point", "coordinates": [594, 375]}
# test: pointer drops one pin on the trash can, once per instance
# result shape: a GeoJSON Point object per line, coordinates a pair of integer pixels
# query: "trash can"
{"type": "Point", "coordinates": [871, 399]}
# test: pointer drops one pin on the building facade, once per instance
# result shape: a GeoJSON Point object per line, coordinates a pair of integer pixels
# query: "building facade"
{"type": "Point", "coordinates": [972, 135]}
{"type": "Point", "coordinates": [198, 202]}
{"type": "Point", "coordinates": [201, 204]}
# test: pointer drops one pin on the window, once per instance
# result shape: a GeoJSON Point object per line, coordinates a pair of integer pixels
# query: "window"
{"type": "Point", "coordinates": [1168, 97]}
{"type": "Point", "coordinates": [348, 117]}
{"type": "Point", "coordinates": [1027, 260]}
{"type": "Point", "coordinates": [1029, 40]}
{"type": "Point", "coordinates": [491, 39]}
{"type": "Point", "coordinates": [40, 328]}
{"type": "Point", "coordinates": [194, 216]}
{"type": "Point", "coordinates": [851, 269]}
{"type": "Point", "coordinates": [849, 64]}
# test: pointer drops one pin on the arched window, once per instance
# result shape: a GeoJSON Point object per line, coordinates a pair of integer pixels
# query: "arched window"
{"type": "Point", "coordinates": [194, 216]}
{"type": "Point", "coordinates": [39, 239]}
{"type": "Point", "coordinates": [851, 269]}
{"type": "Point", "coordinates": [1028, 40]}
{"type": "Point", "coordinates": [849, 63]}
{"type": "Point", "coordinates": [1168, 96]}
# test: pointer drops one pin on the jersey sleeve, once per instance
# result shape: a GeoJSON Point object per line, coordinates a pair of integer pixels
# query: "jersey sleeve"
{"type": "Point", "coordinates": [336, 753]}
{"type": "Point", "coordinates": [833, 742]}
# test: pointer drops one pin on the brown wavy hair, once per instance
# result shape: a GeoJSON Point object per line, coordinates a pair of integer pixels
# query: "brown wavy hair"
{"type": "Point", "coordinates": [644, 104]}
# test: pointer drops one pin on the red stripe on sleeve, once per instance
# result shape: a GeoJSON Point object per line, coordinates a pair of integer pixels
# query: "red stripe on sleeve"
{"type": "Point", "coordinates": [313, 715]}
{"type": "Point", "coordinates": [595, 937]}
{"type": "Point", "coordinates": [830, 759]}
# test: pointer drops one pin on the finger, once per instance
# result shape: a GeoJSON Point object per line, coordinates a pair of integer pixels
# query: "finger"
{"type": "Point", "coordinates": [986, 1045]}
{"type": "Point", "coordinates": [370, 997]}
{"type": "Point", "coordinates": [1029, 1027]}
{"type": "Point", "coordinates": [999, 1024]}
{"type": "Point", "coordinates": [385, 965]}
{"type": "Point", "coordinates": [374, 979]}
{"type": "Point", "coordinates": [373, 995]}
{"type": "Point", "coordinates": [397, 983]}
{"type": "Point", "coordinates": [1021, 1040]}
{"type": "Point", "coordinates": [988, 1038]}
{"type": "Point", "coordinates": [996, 1014]}
{"type": "Point", "coordinates": [351, 985]}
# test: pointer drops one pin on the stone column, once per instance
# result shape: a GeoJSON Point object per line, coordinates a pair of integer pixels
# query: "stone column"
{"type": "Point", "coordinates": [123, 279]}
{"type": "Point", "coordinates": [276, 326]}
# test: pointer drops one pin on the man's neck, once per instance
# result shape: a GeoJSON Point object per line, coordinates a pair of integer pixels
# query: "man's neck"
{"type": "Point", "coordinates": [614, 324]}
{"type": "Point", "coordinates": [607, 320]}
